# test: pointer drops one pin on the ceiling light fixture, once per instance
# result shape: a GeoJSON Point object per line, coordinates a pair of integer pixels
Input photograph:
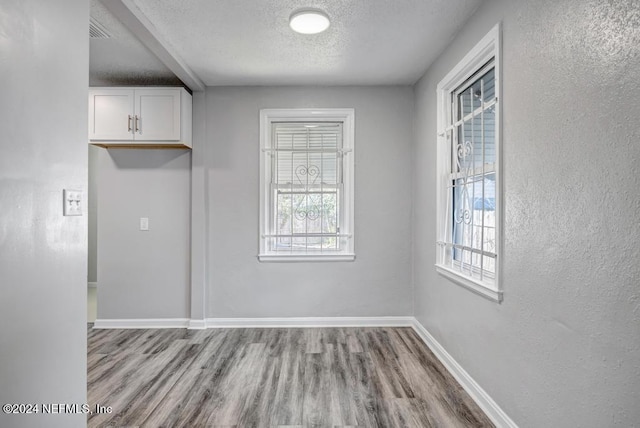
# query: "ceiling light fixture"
{"type": "Point", "coordinates": [309, 21]}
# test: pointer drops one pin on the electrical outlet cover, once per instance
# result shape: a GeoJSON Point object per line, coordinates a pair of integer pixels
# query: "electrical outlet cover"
{"type": "Point", "coordinates": [144, 223]}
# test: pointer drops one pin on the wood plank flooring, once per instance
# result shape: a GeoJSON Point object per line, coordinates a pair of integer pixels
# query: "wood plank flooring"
{"type": "Point", "coordinates": [273, 377]}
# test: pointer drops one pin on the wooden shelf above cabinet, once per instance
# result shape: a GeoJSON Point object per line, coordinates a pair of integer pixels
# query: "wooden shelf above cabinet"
{"type": "Point", "coordinates": [134, 145]}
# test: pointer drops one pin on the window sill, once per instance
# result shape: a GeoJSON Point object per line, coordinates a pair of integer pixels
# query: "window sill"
{"type": "Point", "coordinates": [470, 284]}
{"type": "Point", "coordinates": [306, 257]}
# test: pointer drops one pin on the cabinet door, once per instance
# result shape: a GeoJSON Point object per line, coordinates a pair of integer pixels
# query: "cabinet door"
{"type": "Point", "coordinates": [111, 114]}
{"type": "Point", "coordinates": [158, 115]}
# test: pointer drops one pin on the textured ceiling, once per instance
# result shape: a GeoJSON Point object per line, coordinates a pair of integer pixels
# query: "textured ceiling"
{"type": "Point", "coordinates": [249, 42]}
{"type": "Point", "coordinates": [122, 59]}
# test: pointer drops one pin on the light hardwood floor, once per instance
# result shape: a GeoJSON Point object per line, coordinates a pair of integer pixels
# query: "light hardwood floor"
{"type": "Point", "coordinates": [272, 377]}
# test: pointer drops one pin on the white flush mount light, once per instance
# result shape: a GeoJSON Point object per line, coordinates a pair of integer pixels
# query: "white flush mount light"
{"type": "Point", "coordinates": [309, 21]}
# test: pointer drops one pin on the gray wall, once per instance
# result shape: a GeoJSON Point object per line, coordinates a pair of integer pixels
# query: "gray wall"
{"type": "Point", "coordinates": [563, 349]}
{"type": "Point", "coordinates": [92, 214]}
{"type": "Point", "coordinates": [143, 274]}
{"type": "Point", "coordinates": [43, 255]}
{"type": "Point", "coordinates": [379, 281]}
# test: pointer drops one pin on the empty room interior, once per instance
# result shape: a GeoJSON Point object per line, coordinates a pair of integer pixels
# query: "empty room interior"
{"type": "Point", "coordinates": [413, 213]}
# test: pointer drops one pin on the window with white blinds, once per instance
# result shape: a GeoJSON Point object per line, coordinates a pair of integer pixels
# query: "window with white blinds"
{"type": "Point", "coordinates": [307, 189]}
{"type": "Point", "coordinates": [468, 170]}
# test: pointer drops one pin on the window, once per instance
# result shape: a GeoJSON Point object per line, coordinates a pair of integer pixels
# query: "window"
{"type": "Point", "coordinates": [468, 202]}
{"type": "Point", "coordinates": [306, 189]}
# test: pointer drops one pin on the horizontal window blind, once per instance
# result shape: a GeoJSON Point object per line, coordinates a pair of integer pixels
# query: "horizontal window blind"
{"type": "Point", "coordinates": [306, 186]}
{"type": "Point", "coordinates": [307, 154]}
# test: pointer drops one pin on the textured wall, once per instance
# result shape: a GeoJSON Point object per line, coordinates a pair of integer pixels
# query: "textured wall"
{"type": "Point", "coordinates": [378, 282]}
{"type": "Point", "coordinates": [563, 349]}
{"type": "Point", "coordinates": [44, 58]}
{"type": "Point", "coordinates": [143, 274]}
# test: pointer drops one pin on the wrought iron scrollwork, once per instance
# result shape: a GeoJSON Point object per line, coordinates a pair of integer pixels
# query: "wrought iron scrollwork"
{"type": "Point", "coordinates": [464, 157]}
{"type": "Point", "coordinates": [307, 212]}
{"type": "Point", "coordinates": [305, 173]}
{"type": "Point", "coordinates": [306, 208]}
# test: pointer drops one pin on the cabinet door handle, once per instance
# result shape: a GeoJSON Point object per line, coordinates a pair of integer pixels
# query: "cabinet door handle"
{"type": "Point", "coordinates": [135, 124]}
{"type": "Point", "coordinates": [129, 124]}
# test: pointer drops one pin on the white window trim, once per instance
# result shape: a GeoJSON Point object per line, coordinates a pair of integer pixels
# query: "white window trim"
{"type": "Point", "coordinates": [489, 47]}
{"type": "Point", "coordinates": [347, 117]}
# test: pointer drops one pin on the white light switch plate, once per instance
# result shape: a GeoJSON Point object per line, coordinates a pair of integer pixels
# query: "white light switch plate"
{"type": "Point", "coordinates": [144, 223]}
{"type": "Point", "coordinates": [72, 202]}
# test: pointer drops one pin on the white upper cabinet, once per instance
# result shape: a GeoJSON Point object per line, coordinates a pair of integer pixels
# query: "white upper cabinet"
{"type": "Point", "coordinates": [157, 115]}
{"type": "Point", "coordinates": [111, 114]}
{"type": "Point", "coordinates": [140, 117]}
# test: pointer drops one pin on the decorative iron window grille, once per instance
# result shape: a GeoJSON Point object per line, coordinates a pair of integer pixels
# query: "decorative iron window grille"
{"type": "Point", "coordinates": [307, 185]}
{"type": "Point", "coordinates": [469, 170]}
{"type": "Point", "coordinates": [473, 176]}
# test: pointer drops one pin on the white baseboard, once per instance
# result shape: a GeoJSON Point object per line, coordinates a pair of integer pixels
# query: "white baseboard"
{"type": "Point", "coordinates": [92, 284]}
{"type": "Point", "coordinates": [142, 323]}
{"type": "Point", "coordinates": [309, 322]}
{"type": "Point", "coordinates": [479, 395]}
{"type": "Point", "coordinates": [197, 324]}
